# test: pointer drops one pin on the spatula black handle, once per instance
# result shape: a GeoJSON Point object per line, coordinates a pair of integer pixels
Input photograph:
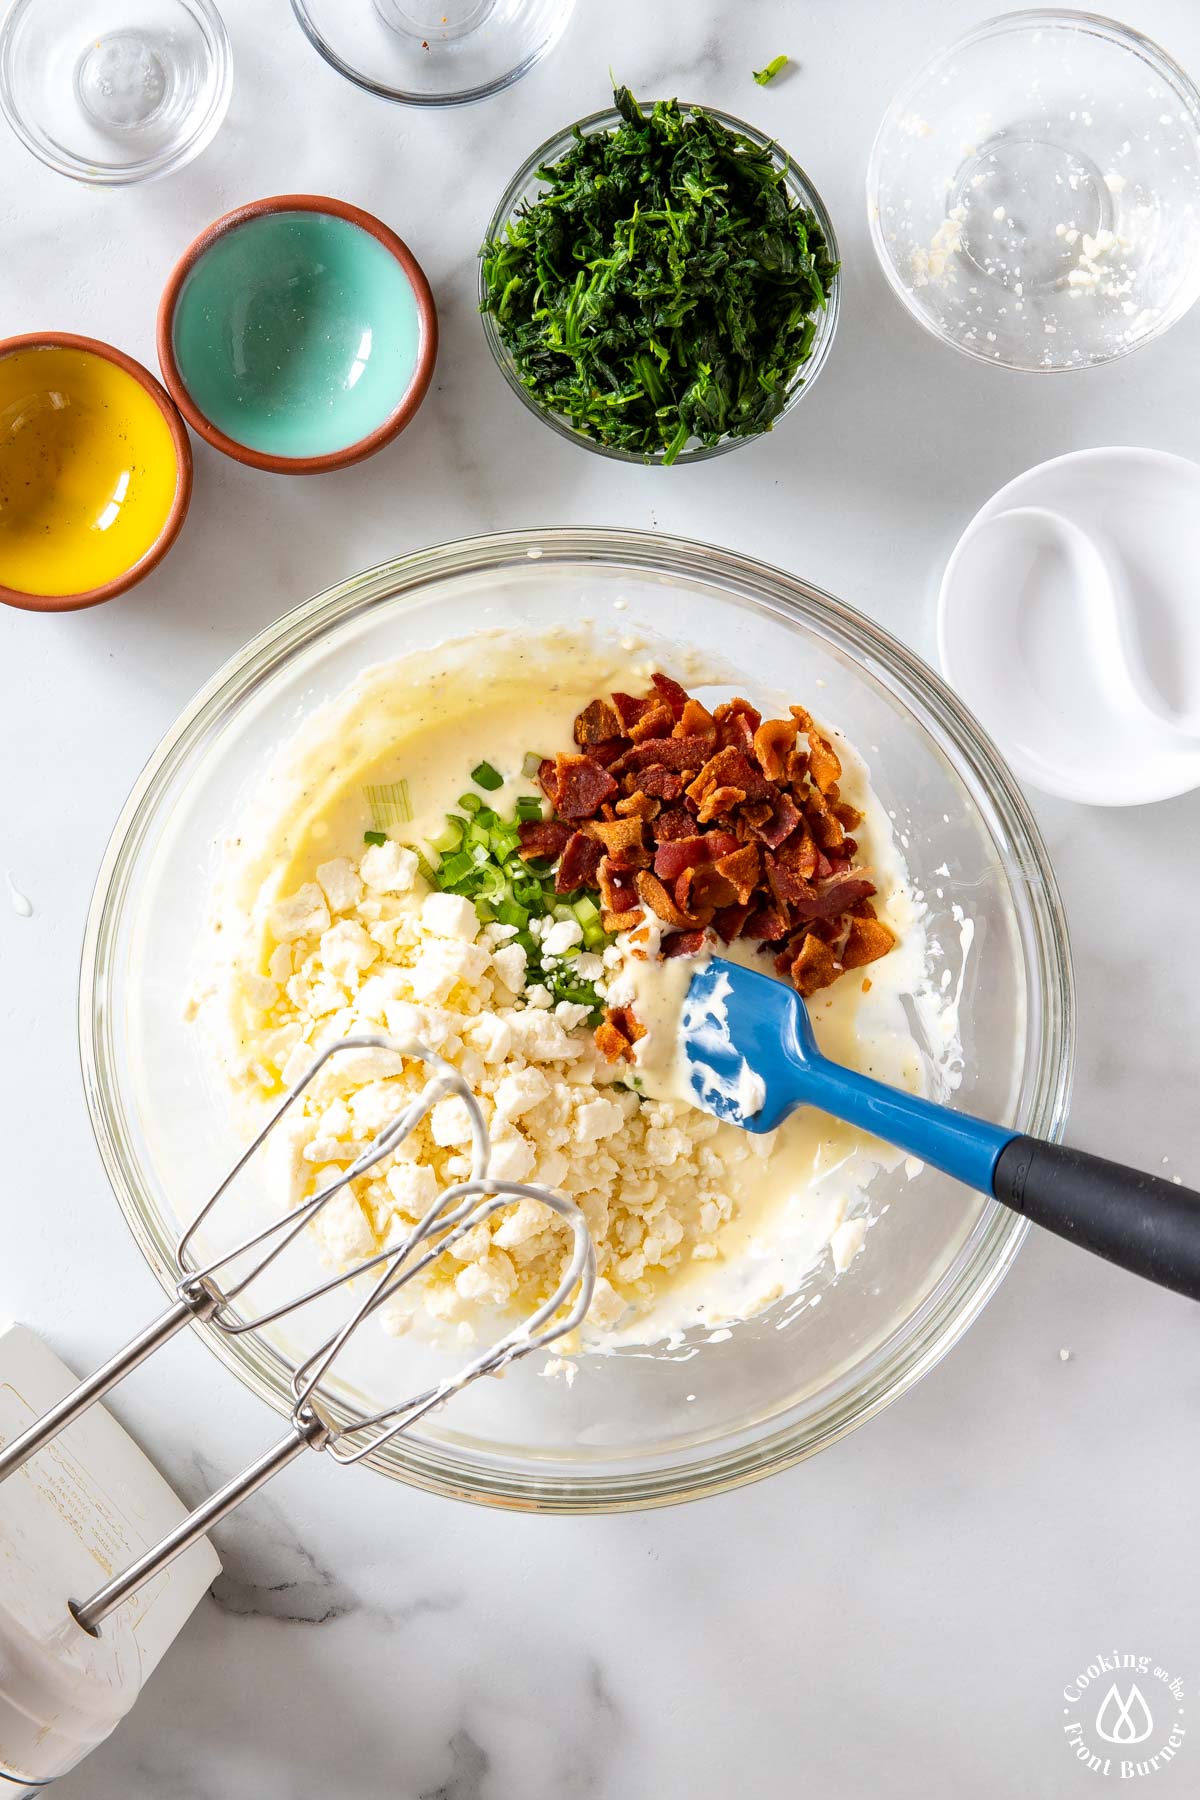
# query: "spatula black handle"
{"type": "Point", "coordinates": [1145, 1224]}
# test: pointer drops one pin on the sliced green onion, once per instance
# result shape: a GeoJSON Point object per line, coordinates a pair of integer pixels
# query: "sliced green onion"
{"type": "Point", "coordinates": [451, 835]}
{"type": "Point", "coordinates": [454, 868]}
{"type": "Point", "coordinates": [586, 911]}
{"type": "Point", "coordinates": [470, 802]}
{"type": "Point", "coordinates": [375, 837]}
{"type": "Point", "coordinates": [528, 809]}
{"type": "Point", "coordinates": [388, 804]}
{"type": "Point", "coordinates": [485, 912]}
{"type": "Point", "coordinates": [426, 869]}
{"type": "Point", "coordinates": [510, 913]}
{"type": "Point", "coordinates": [484, 776]}
{"type": "Point", "coordinates": [532, 763]}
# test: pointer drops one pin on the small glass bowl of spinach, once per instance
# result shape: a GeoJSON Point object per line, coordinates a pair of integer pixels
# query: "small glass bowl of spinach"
{"type": "Point", "coordinates": [659, 283]}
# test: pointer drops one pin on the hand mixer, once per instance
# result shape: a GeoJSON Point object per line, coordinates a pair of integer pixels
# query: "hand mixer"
{"type": "Point", "coordinates": [207, 1292]}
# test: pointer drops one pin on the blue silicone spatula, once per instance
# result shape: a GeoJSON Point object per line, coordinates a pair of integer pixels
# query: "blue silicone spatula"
{"type": "Point", "coordinates": [739, 1024]}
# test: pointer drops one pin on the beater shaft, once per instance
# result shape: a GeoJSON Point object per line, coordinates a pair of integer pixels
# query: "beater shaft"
{"type": "Point", "coordinates": [201, 1305]}
{"type": "Point", "coordinates": [308, 1433]}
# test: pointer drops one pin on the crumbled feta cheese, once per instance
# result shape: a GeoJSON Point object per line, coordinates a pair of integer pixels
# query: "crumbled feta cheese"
{"type": "Point", "coordinates": [340, 884]}
{"type": "Point", "coordinates": [346, 949]}
{"type": "Point", "coordinates": [512, 1159]}
{"type": "Point", "coordinates": [388, 868]}
{"type": "Point", "coordinates": [518, 1092]}
{"type": "Point", "coordinates": [303, 914]}
{"type": "Point", "coordinates": [509, 964]}
{"type": "Point", "coordinates": [450, 916]}
{"type": "Point", "coordinates": [413, 1186]}
{"type": "Point", "coordinates": [562, 935]}
{"type": "Point", "coordinates": [450, 1121]}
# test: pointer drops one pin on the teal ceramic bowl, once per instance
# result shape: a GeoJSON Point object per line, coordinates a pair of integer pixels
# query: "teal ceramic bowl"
{"type": "Point", "coordinates": [297, 334]}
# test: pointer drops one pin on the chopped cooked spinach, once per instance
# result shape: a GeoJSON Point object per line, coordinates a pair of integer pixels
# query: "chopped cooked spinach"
{"type": "Point", "coordinates": [664, 286]}
{"type": "Point", "coordinates": [762, 76]}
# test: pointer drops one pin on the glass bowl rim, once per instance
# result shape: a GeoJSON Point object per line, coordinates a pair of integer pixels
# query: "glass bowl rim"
{"type": "Point", "coordinates": [150, 168]}
{"type": "Point", "coordinates": [799, 182]}
{"type": "Point", "coordinates": [403, 96]}
{"type": "Point", "coordinates": [980, 1265]}
{"type": "Point", "coordinates": [1114, 30]}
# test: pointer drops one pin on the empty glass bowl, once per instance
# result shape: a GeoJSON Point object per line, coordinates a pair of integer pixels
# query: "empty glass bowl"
{"type": "Point", "coordinates": [433, 52]}
{"type": "Point", "coordinates": [1034, 192]}
{"type": "Point", "coordinates": [114, 91]}
{"type": "Point", "coordinates": [635, 1429]}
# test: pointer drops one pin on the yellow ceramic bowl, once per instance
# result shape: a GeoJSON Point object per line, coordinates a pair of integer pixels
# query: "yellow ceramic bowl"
{"type": "Point", "coordinates": [95, 472]}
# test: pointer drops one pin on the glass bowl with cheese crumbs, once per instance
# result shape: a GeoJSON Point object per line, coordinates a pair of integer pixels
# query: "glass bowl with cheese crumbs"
{"type": "Point", "coordinates": [408, 808]}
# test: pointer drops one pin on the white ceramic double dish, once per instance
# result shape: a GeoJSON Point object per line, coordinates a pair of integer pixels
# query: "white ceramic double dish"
{"type": "Point", "coordinates": [1068, 624]}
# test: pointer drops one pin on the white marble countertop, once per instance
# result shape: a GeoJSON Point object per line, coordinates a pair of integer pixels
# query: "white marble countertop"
{"type": "Point", "coordinates": [899, 1616]}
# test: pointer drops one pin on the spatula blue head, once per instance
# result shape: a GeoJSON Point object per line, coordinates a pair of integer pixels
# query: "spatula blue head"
{"type": "Point", "coordinates": [748, 1040]}
{"type": "Point", "coordinates": [752, 1059]}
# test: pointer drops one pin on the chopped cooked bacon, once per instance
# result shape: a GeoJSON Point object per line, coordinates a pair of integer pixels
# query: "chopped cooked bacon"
{"type": "Point", "coordinates": [717, 802]}
{"type": "Point", "coordinates": [660, 783]}
{"type": "Point", "coordinates": [730, 921]}
{"type": "Point", "coordinates": [673, 822]}
{"type": "Point", "coordinates": [814, 967]}
{"type": "Point", "coordinates": [597, 721]}
{"type": "Point", "coordinates": [823, 763]}
{"type": "Point", "coordinates": [785, 817]}
{"type": "Point", "coordinates": [629, 708]}
{"type": "Point", "coordinates": [696, 721]}
{"type": "Point", "coordinates": [652, 892]}
{"type": "Point", "coordinates": [683, 943]}
{"type": "Point", "coordinates": [866, 941]}
{"type": "Point", "coordinates": [772, 742]}
{"type": "Point", "coordinates": [832, 898]}
{"type": "Point", "coordinates": [544, 837]}
{"type": "Point", "coordinates": [670, 691]}
{"type": "Point", "coordinates": [748, 835]}
{"type": "Point", "coordinates": [580, 785]}
{"type": "Point", "coordinates": [671, 752]}
{"type": "Point", "coordinates": [767, 922]}
{"type": "Point", "coordinates": [741, 867]}
{"type": "Point", "coordinates": [638, 806]}
{"type": "Point", "coordinates": [618, 892]}
{"type": "Point", "coordinates": [731, 768]}
{"type": "Point", "coordinates": [617, 835]}
{"type": "Point", "coordinates": [580, 863]}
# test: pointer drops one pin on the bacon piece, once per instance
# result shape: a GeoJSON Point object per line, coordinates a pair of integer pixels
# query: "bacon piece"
{"type": "Point", "coordinates": [656, 897]}
{"type": "Point", "coordinates": [814, 967]}
{"type": "Point", "coordinates": [673, 822]}
{"type": "Point", "coordinates": [767, 922]}
{"type": "Point", "coordinates": [825, 827]}
{"type": "Point", "coordinates": [629, 709]}
{"type": "Point", "coordinates": [730, 921]}
{"type": "Point", "coordinates": [730, 768]}
{"type": "Point", "coordinates": [670, 691]}
{"type": "Point", "coordinates": [832, 897]}
{"type": "Point", "coordinates": [684, 943]}
{"type": "Point", "coordinates": [677, 854]}
{"type": "Point", "coordinates": [847, 816]}
{"type": "Point", "coordinates": [741, 867]}
{"type": "Point", "coordinates": [736, 722]}
{"type": "Point", "coordinates": [784, 883]}
{"type": "Point", "coordinates": [658, 722]}
{"type": "Point", "coordinates": [670, 752]}
{"type": "Point", "coordinates": [696, 721]}
{"type": "Point", "coordinates": [620, 837]}
{"type": "Point", "coordinates": [544, 837]}
{"type": "Point", "coordinates": [618, 894]}
{"type": "Point", "coordinates": [580, 784]}
{"type": "Point", "coordinates": [772, 742]}
{"type": "Point", "coordinates": [580, 863]}
{"type": "Point", "coordinates": [547, 777]}
{"type": "Point", "coordinates": [717, 802]}
{"type": "Point", "coordinates": [799, 853]}
{"type": "Point", "coordinates": [700, 890]}
{"type": "Point", "coordinates": [660, 784]}
{"type": "Point", "coordinates": [608, 751]}
{"type": "Point", "coordinates": [638, 806]}
{"type": "Point", "coordinates": [618, 1034]}
{"type": "Point", "coordinates": [621, 921]}
{"type": "Point", "coordinates": [597, 721]}
{"type": "Point", "coordinates": [785, 817]}
{"type": "Point", "coordinates": [823, 763]}
{"type": "Point", "coordinates": [796, 771]}
{"type": "Point", "coordinates": [866, 942]}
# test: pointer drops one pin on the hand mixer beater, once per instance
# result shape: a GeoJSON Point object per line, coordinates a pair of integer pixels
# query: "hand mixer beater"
{"type": "Point", "coordinates": [214, 1289]}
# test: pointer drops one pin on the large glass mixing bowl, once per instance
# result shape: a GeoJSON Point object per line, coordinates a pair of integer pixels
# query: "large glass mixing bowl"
{"type": "Point", "coordinates": [635, 1429]}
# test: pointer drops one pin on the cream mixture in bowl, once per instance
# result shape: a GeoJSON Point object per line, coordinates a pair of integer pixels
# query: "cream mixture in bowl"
{"type": "Point", "coordinates": [272, 885]}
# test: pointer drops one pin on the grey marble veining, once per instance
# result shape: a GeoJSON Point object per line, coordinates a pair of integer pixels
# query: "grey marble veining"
{"type": "Point", "coordinates": [897, 1617]}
